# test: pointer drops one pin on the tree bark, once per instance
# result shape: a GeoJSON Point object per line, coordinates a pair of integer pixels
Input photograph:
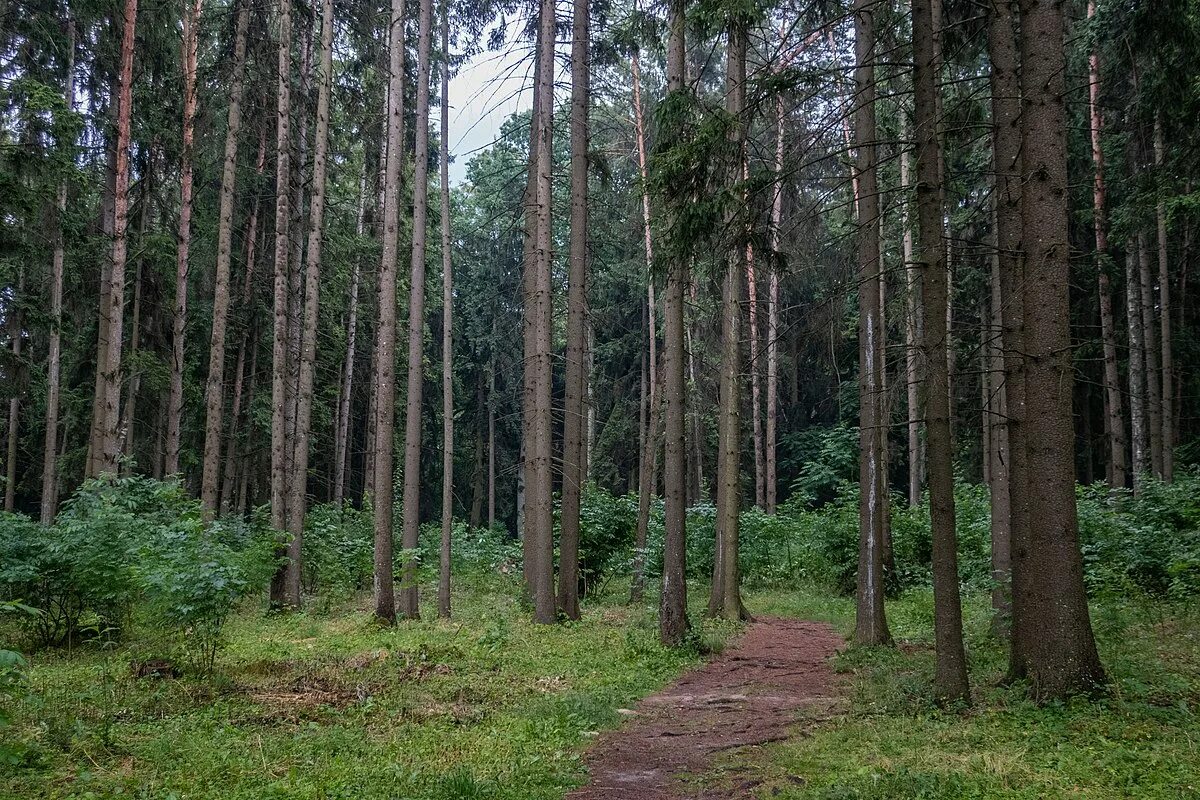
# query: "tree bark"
{"type": "Point", "coordinates": [913, 333]}
{"type": "Point", "coordinates": [191, 35]}
{"type": "Point", "coordinates": [409, 595]}
{"type": "Point", "coordinates": [103, 456]}
{"type": "Point", "coordinates": [573, 475]}
{"type": "Point", "coordinates": [1113, 414]}
{"type": "Point", "coordinates": [54, 346]}
{"type": "Point", "coordinates": [214, 389]}
{"type": "Point", "coordinates": [1150, 342]}
{"type": "Point", "coordinates": [771, 476]}
{"type": "Point", "coordinates": [15, 327]}
{"type": "Point", "coordinates": [1057, 647]}
{"type": "Point", "coordinates": [950, 666]}
{"type": "Point", "coordinates": [1137, 369]}
{"type": "Point", "coordinates": [726, 600]}
{"type": "Point", "coordinates": [297, 502]}
{"type": "Point", "coordinates": [760, 486]}
{"type": "Point", "coordinates": [871, 624]}
{"type": "Point", "coordinates": [1164, 309]}
{"type": "Point", "coordinates": [345, 394]}
{"type": "Point", "coordinates": [447, 330]}
{"type": "Point", "coordinates": [673, 621]}
{"type": "Point", "coordinates": [280, 441]}
{"type": "Point", "coordinates": [385, 335]}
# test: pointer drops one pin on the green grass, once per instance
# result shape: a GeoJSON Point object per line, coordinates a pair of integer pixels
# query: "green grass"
{"type": "Point", "coordinates": [1142, 740]}
{"type": "Point", "coordinates": [327, 705]}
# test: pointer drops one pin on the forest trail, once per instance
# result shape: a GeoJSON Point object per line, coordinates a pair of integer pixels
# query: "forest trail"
{"type": "Point", "coordinates": [754, 693]}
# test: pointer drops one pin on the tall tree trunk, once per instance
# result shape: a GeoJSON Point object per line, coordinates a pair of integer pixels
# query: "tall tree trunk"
{"type": "Point", "coordinates": [1150, 342]}
{"type": "Point", "coordinates": [950, 672]}
{"type": "Point", "coordinates": [760, 486]}
{"type": "Point", "coordinates": [648, 453]}
{"type": "Point", "coordinates": [998, 457]}
{"type": "Point", "coordinates": [538, 357]}
{"type": "Point", "coordinates": [15, 326]}
{"type": "Point", "coordinates": [1137, 368]}
{"type": "Point", "coordinates": [342, 433]}
{"type": "Point", "coordinates": [913, 333]}
{"type": "Point", "coordinates": [297, 501]}
{"type": "Point", "coordinates": [1164, 310]}
{"type": "Point", "coordinates": [1114, 425]}
{"type": "Point", "coordinates": [491, 431]}
{"type": "Point", "coordinates": [103, 456]}
{"type": "Point", "coordinates": [1006, 161]}
{"type": "Point", "coordinates": [1057, 648]}
{"type": "Point", "coordinates": [385, 332]}
{"type": "Point", "coordinates": [673, 621]}
{"type": "Point", "coordinates": [771, 477]}
{"type": "Point", "coordinates": [280, 441]}
{"type": "Point", "coordinates": [409, 596]}
{"type": "Point", "coordinates": [573, 475]}
{"type": "Point", "coordinates": [726, 598]}
{"type": "Point", "coordinates": [54, 346]}
{"type": "Point", "coordinates": [871, 625]}
{"type": "Point", "coordinates": [191, 35]}
{"type": "Point", "coordinates": [214, 389]}
{"type": "Point", "coordinates": [479, 474]}
{"type": "Point", "coordinates": [447, 330]}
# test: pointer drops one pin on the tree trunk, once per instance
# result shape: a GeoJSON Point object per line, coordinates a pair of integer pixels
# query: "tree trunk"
{"type": "Point", "coordinates": [214, 389]}
{"type": "Point", "coordinates": [760, 486]}
{"type": "Point", "coordinates": [647, 483]}
{"type": "Point", "coordinates": [15, 327]}
{"type": "Point", "coordinates": [913, 333]}
{"type": "Point", "coordinates": [1114, 424]}
{"type": "Point", "coordinates": [871, 624]}
{"type": "Point", "coordinates": [538, 357]}
{"type": "Point", "coordinates": [297, 502]}
{"type": "Point", "coordinates": [491, 432]}
{"type": "Point", "coordinates": [447, 332]}
{"type": "Point", "coordinates": [1164, 310]}
{"type": "Point", "coordinates": [726, 598]}
{"type": "Point", "coordinates": [54, 346]}
{"type": "Point", "coordinates": [280, 441]}
{"type": "Point", "coordinates": [950, 670]}
{"type": "Point", "coordinates": [409, 595]}
{"type": "Point", "coordinates": [385, 332]}
{"type": "Point", "coordinates": [771, 477]}
{"type": "Point", "coordinates": [103, 457]}
{"type": "Point", "coordinates": [191, 35]}
{"type": "Point", "coordinates": [1057, 648]}
{"type": "Point", "coordinates": [573, 475]}
{"type": "Point", "coordinates": [1150, 342]}
{"type": "Point", "coordinates": [1137, 369]}
{"type": "Point", "coordinates": [673, 621]}
{"type": "Point", "coordinates": [342, 433]}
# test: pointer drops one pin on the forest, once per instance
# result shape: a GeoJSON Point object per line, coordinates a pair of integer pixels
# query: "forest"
{"type": "Point", "coordinates": [791, 399]}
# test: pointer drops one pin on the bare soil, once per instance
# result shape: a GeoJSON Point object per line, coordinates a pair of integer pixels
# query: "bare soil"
{"type": "Point", "coordinates": [775, 675]}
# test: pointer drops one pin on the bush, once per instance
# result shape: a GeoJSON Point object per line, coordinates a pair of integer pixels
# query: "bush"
{"type": "Point", "coordinates": [133, 542]}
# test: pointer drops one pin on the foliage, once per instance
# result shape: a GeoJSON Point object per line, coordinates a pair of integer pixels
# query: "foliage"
{"type": "Point", "coordinates": [133, 543]}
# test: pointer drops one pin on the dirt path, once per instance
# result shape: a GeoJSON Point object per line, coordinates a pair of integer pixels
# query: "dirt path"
{"type": "Point", "coordinates": [752, 694]}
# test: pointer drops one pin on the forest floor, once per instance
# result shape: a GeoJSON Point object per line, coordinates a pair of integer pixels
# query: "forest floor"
{"type": "Point", "coordinates": [324, 705]}
{"type": "Point", "coordinates": [776, 673]}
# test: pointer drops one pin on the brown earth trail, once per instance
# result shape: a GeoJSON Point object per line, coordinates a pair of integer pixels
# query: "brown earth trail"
{"type": "Point", "coordinates": [777, 672]}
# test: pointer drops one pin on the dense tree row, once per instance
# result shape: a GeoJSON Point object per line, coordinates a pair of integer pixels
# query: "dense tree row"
{"type": "Point", "coordinates": [651, 281]}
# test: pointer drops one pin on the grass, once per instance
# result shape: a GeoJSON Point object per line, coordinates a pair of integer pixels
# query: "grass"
{"type": "Point", "coordinates": [328, 705]}
{"type": "Point", "coordinates": [1142, 740]}
{"type": "Point", "coordinates": [325, 704]}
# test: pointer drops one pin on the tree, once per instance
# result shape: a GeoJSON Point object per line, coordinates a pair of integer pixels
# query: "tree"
{"type": "Point", "coordinates": [447, 330]}
{"type": "Point", "coordinates": [573, 473]}
{"type": "Point", "coordinates": [214, 390]}
{"type": "Point", "coordinates": [950, 672]}
{"type": "Point", "coordinates": [672, 619]}
{"type": "Point", "coordinates": [409, 599]}
{"type": "Point", "coordinates": [105, 408]}
{"type": "Point", "coordinates": [871, 624]}
{"type": "Point", "coordinates": [1056, 645]}
{"type": "Point", "coordinates": [385, 331]}
{"type": "Point", "coordinates": [191, 33]}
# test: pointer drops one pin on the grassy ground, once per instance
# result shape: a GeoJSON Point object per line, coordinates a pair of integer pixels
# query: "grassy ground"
{"type": "Point", "coordinates": [326, 705]}
{"type": "Point", "coordinates": [1142, 741]}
